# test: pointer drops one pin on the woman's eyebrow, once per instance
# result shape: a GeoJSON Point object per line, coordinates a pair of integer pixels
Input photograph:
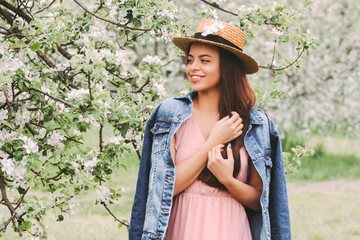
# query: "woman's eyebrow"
{"type": "Point", "coordinates": [202, 55]}
{"type": "Point", "coordinates": [205, 55]}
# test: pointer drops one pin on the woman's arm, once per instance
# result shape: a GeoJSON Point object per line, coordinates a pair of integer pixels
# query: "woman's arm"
{"type": "Point", "coordinates": [224, 130]}
{"type": "Point", "coordinates": [246, 194]}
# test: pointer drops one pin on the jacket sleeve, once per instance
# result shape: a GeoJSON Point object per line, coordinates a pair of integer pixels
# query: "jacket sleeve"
{"type": "Point", "coordinates": [141, 193]}
{"type": "Point", "coordinates": [278, 204]}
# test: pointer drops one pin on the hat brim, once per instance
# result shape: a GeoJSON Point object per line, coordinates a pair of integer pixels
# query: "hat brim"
{"type": "Point", "coordinates": [249, 65]}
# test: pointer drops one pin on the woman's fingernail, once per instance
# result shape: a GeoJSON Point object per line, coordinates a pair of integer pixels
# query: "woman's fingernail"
{"type": "Point", "coordinates": [229, 145]}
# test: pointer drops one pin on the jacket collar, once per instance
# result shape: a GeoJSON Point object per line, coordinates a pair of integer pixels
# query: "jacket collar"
{"type": "Point", "coordinates": [189, 96]}
{"type": "Point", "coordinates": [255, 117]}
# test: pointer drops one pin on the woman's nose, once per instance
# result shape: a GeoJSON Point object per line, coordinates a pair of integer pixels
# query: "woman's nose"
{"type": "Point", "coordinates": [195, 65]}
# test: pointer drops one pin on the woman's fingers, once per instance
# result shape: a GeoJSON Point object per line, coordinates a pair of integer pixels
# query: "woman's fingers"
{"type": "Point", "coordinates": [229, 152]}
{"type": "Point", "coordinates": [235, 117]}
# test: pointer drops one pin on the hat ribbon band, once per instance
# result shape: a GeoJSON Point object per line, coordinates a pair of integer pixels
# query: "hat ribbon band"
{"type": "Point", "coordinates": [217, 39]}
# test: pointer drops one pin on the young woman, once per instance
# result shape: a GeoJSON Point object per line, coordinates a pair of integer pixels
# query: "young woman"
{"type": "Point", "coordinates": [211, 165]}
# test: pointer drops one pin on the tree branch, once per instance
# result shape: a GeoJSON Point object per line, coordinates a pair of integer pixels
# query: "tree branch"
{"type": "Point", "coordinates": [101, 137]}
{"type": "Point", "coordinates": [109, 21]}
{"type": "Point", "coordinates": [217, 7]}
{"type": "Point", "coordinates": [33, 132]}
{"type": "Point", "coordinates": [45, 59]}
{"type": "Point", "coordinates": [142, 86]}
{"type": "Point", "coordinates": [16, 10]}
{"type": "Point", "coordinates": [283, 68]}
{"type": "Point", "coordinates": [89, 86]}
{"type": "Point", "coordinates": [55, 98]}
{"type": "Point", "coordinates": [109, 211]}
{"type": "Point", "coordinates": [6, 201]}
{"type": "Point", "coordinates": [41, 10]}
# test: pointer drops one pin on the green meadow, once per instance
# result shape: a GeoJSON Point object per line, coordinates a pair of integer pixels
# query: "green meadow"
{"type": "Point", "coordinates": [323, 198]}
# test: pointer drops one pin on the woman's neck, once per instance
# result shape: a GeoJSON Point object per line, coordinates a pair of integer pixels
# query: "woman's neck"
{"type": "Point", "coordinates": [207, 103]}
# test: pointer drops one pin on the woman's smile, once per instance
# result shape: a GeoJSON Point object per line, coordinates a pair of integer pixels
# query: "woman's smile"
{"type": "Point", "coordinates": [203, 67]}
{"type": "Point", "coordinates": [196, 78]}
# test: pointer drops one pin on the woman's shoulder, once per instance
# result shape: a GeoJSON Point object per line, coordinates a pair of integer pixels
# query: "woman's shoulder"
{"type": "Point", "coordinates": [174, 105]}
{"type": "Point", "coordinates": [258, 116]}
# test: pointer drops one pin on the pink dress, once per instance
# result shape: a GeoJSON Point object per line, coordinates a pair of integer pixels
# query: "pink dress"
{"type": "Point", "coordinates": [202, 212]}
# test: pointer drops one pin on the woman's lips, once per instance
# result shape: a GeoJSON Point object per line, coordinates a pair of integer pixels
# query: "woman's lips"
{"type": "Point", "coordinates": [196, 78]}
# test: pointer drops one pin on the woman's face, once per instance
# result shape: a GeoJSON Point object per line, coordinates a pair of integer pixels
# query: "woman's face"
{"type": "Point", "coordinates": [203, 67]}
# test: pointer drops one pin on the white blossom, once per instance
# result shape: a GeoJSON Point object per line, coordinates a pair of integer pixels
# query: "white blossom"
{"type": "Point", "coordinates": [212, 13]}
{"type": "Point", "coordinates": [60, 106]}
{"type": "Point", "coordinates": [22, 116]}
{"type": "Point", "coordinates": [213, 28]}
{"type": "Point", "coordinates": [151, 59]}
{"type": "Point", "coordinates": [2, 97]}
{"type": "Point", "coordinates": [45, 90]}
{"type": "Point", "coordinates": [3, 114]}
{"type": "Point", "coordinates": [89, 119]}
{"type": "Point", "coordinates": [71, 209]}
{"type": "Point", "coordinates": [103, 194]}
{"type": "Point", "coordinates": [77, 132]}
{"type": "Point", "coordinates": [41, 134]}
{"type": "Point", "coordinates": [242, 8]}
{"type": "Point", "coordinates": [90, 164]}
{"type": "Point", "coordinates": [56, 140]}
{"type": "Point", "coordinates": [18, 177]}
{"type": "Point", "coordinates": [167, 13]}
{"type": "Point", "coordinates": [92, 153]}
{"type": "Point", "coordinates": [75, 166]}
{"type": "Point", "coordinates": [7, 165]}
{"type": "Point", "coordinates": [77, 93]}
{"type": "Point", "coordinates": [160, 89]}
{"type": "Point", "coordinates": [12, 64]}
{"type": "Point", "coordinates": [15, 173]}
{"type": "Point", "coordinates": [29, 145]}
{"type": "Point", "coordinates": [5, 135]}
{"type": "Point", "coordinates": [138, 140]}
{"type": "Point", "coordinates": [39, 116]}
{"type": "Point", "coordinates": [113, 140]}
{"type": "Point", "coordinates": [113, 13]}
{"type": "Point", "coordinates": [129, 135]}
{"type": "Point", "coordinates": [276, 32]}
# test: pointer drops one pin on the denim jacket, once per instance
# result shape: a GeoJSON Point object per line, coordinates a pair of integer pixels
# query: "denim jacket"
{"type": "Point", "coordinates": [154, 191]}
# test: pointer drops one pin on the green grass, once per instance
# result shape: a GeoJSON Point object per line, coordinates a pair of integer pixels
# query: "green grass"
{"type": "Point", "coordinates": [334, 158]}
{"type": "Point", "coordinates": [325, 210]}
{"type": "Point", "coordinates": [327, 167]}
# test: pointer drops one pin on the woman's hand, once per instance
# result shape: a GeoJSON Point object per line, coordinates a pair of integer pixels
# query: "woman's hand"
{"type": "Point", "coordinates": [226, 129]}
{"type": "Point", "coordinates": [220, 167]}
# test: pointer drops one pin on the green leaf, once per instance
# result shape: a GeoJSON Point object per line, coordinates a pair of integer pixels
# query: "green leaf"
{"type": "Point", "coordinates": [35, 46]}
{"type": "Point", "coordinates": [6, 123]}
{"type": "Point", "coordinates": [60, 218]}
{"type": "Point", "coordinates": [120, 225]}
{"type": "Point", "coordinates": [26, 225]}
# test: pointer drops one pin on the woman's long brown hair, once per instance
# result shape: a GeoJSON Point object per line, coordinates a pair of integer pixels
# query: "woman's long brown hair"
{"type": "Point", "coordinates": [236, 95]}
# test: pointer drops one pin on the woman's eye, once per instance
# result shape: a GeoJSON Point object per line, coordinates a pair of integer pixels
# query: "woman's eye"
{"type": "Point", "coordinates": [204, 60]}
{"type": "Point", "coordinates": [189, 61]}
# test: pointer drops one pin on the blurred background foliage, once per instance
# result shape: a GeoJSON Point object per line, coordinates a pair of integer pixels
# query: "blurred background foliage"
{"type": "Point", "coordinates": [86, 74]}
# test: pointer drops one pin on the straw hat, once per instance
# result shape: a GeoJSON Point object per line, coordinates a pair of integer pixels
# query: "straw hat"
{"type": "Point", "coordinates": [223, 35]}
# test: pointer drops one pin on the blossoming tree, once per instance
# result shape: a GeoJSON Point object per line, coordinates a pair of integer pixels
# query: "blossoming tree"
{"type": "Point", "coordinates": [71, 69]}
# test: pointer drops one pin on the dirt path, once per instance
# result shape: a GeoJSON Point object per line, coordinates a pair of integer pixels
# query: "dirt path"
{"type": "Point", "coordinates": [329, 187]}
{"type": "Point", "coordinates": [325, 210]}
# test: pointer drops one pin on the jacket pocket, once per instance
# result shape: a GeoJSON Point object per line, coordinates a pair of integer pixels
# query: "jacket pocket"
{"type": "Point", "coordinates": [160, 130]}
